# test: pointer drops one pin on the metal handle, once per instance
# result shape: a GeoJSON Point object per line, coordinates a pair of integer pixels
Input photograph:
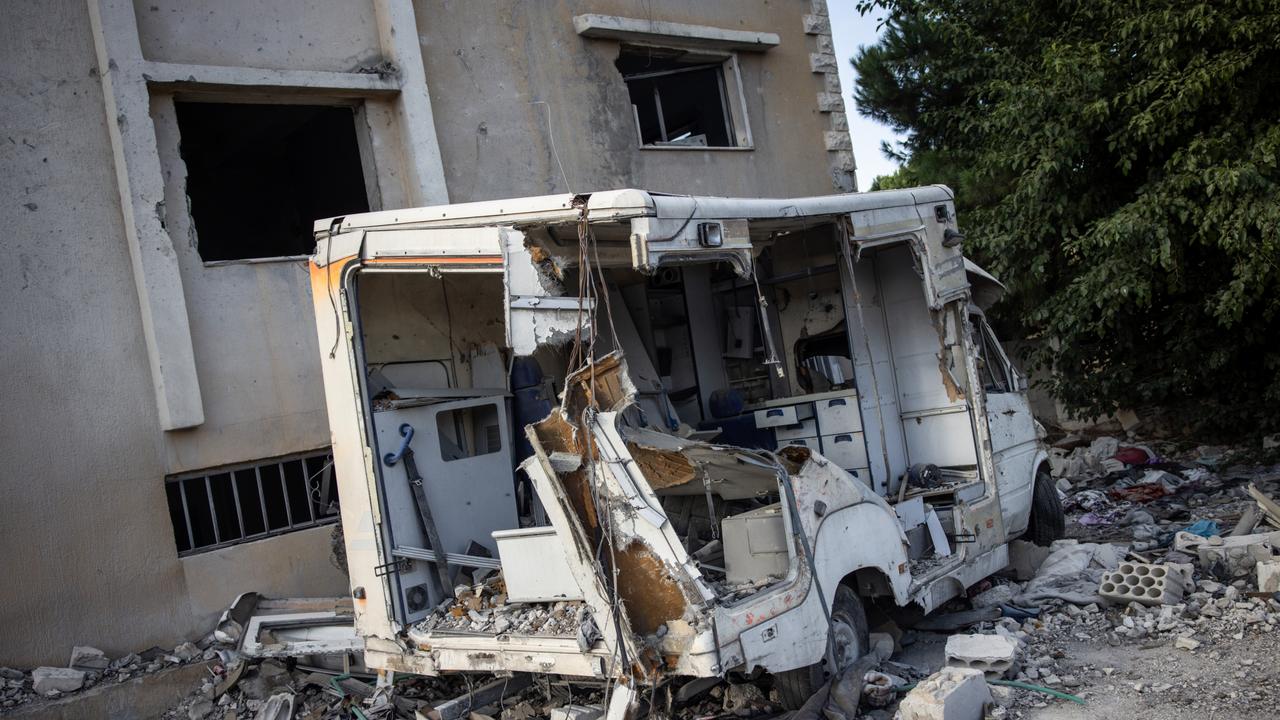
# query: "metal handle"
{"type": "Point", "coordinates": [835, 403]}
{"type": "Point", "coordinates": [773, 413]}
{"type": "Point", "coordinates": [406, 431]}
{"type": "Point", "coordinates": [843, 438]}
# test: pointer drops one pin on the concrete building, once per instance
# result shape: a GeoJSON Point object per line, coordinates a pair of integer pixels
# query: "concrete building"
{"type": "Point", "coordinates": [162, 424]}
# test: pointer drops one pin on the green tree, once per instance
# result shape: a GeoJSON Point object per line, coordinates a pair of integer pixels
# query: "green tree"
{"type": "Point", "coordinates": [1115, 163]}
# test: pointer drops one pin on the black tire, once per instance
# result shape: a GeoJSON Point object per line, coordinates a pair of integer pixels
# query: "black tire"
{"type": "Point", "coordinates": [849, 621]}
{"type": "Point", "coordinates": [1047, 521]}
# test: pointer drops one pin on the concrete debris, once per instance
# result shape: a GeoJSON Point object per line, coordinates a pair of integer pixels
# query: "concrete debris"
{"type": "Point", "coordinates": [51, 680]}
{"type": "Point", "coordinates": [1235, 557]}
{"type": "Point", "coordinates": [994, 655]}
{"type": "Point", "coordinates": [1269, 576]}
{"type": "Point", "coordinates": [949, 694]}
{"type": "Point", "coordinates": [744, 699]}
{"type": "Point", "coordinates": [88, 658]}
{"type": "Point", "coordinates": [577, 712]}
{"type": "Point", "coordinates": [277, 707]}
{"type": "Point", "coordinates": [186, 652]}
{"type": "Point", "coordinates": [1144, 583]}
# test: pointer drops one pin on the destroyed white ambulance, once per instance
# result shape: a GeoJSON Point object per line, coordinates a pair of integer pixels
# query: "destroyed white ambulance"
{"type": "Point", "coordinates": [637, 436]}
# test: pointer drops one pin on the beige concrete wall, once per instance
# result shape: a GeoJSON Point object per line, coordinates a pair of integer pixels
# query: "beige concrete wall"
{"type": "Point", "coordinates": [488, 63]}
{"type": "Point", "coordinates": [277, 34]}
{"type": "Point", "coordinates": [88, 552]}
{"type": "Point", "coordinates": [89, 556]}
{"type": "Point", "coordinates": [297, 564]}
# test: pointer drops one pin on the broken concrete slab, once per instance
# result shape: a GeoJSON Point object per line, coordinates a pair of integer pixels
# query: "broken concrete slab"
{"type": "Point", "coordinates": [950, 694]}
{"type": "Point", "coordinates": [1236, 557]}
{"type": "Point", "coordinates": [995, 655]}
{"type": "Point", "coordinates": [46, 680]}
{"type": "Point", "coordinates": [84, 657]}
{"type": "Point", "coordinates": [187, 652]}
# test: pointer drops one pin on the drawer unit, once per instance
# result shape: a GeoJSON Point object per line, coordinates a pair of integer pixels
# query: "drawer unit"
{"type": "Point", "coordinates": [839, 415]}
{"type": "Point", "coordinates": [783, 415]}
{"type": "Point", "coordinates": [809, 442]}
{"type": "Point", "coordinates": [806, 429]}
{"type": "Point", "coordinates": [846, 450]}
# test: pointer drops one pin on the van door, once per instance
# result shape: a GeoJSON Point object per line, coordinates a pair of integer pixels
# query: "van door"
{"type": "Point", "coordinates": [1011, 425]}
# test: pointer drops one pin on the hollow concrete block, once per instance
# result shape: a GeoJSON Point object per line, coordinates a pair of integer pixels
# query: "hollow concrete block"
{"type": "Point", "coordinates": [1143, 583]}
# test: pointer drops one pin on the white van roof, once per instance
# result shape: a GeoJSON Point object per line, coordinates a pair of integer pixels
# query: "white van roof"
{"type": "Point", "coordinates": [628, 203]}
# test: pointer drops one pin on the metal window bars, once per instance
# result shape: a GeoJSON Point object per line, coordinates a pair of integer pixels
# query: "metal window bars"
{"type": "Point", "coordinates": [224, 506]}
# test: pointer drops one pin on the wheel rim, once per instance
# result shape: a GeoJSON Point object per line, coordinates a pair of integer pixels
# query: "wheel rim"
{"type": "Point", "coordinates": [845, 643]}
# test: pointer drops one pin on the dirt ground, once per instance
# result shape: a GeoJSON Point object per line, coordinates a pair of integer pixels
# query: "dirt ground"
{"type": "Point", "coordinates": [1225, 678]}
{"type": "Point", "coordinates": [1234, 679]}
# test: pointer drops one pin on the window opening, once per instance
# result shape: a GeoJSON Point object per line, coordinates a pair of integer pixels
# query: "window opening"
{"type": "Point", "coordinates": [469, 432]}
{"type": "Point", "coordinates": [822, 361]}
{"type": "Point", "coordinates": [678, 98]}
{"type": "Point", "coordinates": [995, 377]}
{"type": "Point", "coordinates": [226, 506]}
{"type": "Point", "coordinates": [258, 176]}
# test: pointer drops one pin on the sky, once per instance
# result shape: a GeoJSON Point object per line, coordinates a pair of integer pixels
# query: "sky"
{"type": "Point", "coordinates": [849, 30]}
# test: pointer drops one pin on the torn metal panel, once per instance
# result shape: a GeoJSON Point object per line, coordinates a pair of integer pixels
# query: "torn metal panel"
{"type": "Point", "coordinates": [671, 464]}
{"type": "Point", "coordinates": [538, 312]}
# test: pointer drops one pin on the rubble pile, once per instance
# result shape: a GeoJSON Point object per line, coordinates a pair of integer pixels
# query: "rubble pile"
{"type": "Point", "coordinates": [270, 689]}
{"type": "Point", "coordinates": [90, 667]}
{"type": "Point", "coordinates": [483, 607]}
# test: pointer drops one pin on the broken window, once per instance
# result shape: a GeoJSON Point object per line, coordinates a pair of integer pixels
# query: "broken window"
{"type": "Point", "coordinates": [225, 506]}
{"type": "Point", "coordinates": [683, 99]}
{"type": "Point", "coordinates": [259, 176]}
{"type": "Point", "coordinates": [991, 365]}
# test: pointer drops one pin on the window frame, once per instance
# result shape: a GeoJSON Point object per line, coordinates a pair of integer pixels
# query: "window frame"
{"type": "Point", "coordinates": [988, 343]}
{"type": "Point", "coordinates": [733, 98]}
{"type": "Point", "coordinates": [323, 455]}
{"type": "Point", "coordinates": [364, 136]}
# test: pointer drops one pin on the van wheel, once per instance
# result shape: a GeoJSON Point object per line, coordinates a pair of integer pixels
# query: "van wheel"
{"type": "Point", "coordinates": [849, 637]}
{"type": "Point", "coordinates": [1047, 522]}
